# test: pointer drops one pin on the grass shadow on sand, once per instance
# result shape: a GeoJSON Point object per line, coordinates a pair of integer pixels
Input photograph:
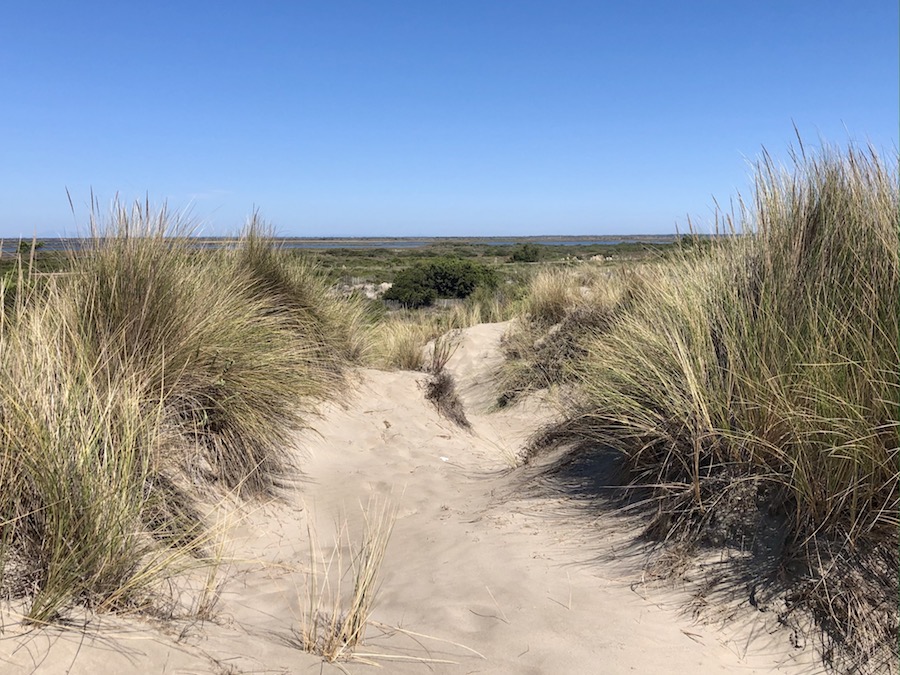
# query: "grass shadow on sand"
{"type": "Point", "coordinates": [736, 564]}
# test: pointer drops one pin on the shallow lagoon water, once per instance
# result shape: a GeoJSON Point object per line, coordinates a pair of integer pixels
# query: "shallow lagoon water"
{"type": "Point", "coordinates": [10, 246]}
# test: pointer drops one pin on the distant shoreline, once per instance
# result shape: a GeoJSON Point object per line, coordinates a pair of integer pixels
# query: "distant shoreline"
{"type": "Point", "coordinates": [47, 244]}
{"type": "Point", "coordinates": [498, 238]}
{"type": "Point", "coordinates": [512, 237]}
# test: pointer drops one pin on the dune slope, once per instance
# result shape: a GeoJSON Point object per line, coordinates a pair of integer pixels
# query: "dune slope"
{"type": "Point", "coordinates": [487, 579]}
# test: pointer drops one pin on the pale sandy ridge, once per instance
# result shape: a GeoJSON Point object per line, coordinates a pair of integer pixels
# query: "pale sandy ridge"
{"type": "Point", "coordinates": [470, 561]}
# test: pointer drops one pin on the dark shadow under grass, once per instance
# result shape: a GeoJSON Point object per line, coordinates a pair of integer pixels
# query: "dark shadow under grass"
{"type": "Point", "coordinates": [735, 560]}
{"type": "Point", "coordinates": [737, 556]}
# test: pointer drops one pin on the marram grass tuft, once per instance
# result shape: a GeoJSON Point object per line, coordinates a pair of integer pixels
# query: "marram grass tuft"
{"type": "Point", "coordinates": [771, 359]}
{"type": "Point", "coordinates": [144, 372]}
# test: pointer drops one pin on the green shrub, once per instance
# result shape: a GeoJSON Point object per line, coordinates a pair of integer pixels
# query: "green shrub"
{"type": "Point", "coordinates": [411, 288]}
{"type": "Point", "coordinates": [456, 278]}
{"type": "Point", "coordinates": [421, 284]}
{"type": "Point", "coordinates": [26, 246]}
{"type": "Point", "coordinates": [526, 253]}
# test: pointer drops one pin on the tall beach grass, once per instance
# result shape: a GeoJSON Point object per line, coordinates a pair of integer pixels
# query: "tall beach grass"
{"type": "Point", "coordinates": [771, 361]}
{"type": "Point", "coordinates": [149, 373]}
{"type": "Point", "coordinates": [561, 309]}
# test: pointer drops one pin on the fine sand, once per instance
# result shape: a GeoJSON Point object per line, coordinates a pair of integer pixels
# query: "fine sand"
{"type": "Point", "coordinates": [478, 572]}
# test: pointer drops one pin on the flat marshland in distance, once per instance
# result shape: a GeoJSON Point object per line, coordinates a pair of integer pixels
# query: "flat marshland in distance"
{"type": "Point", "coordinates": [381, 257]}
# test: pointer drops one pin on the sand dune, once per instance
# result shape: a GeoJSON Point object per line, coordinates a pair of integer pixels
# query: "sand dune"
{"type": "Point", "coordinates": [499, 581]}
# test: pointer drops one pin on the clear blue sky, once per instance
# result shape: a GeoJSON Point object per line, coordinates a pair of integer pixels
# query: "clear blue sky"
{"type": "Point", "coordinates": [427, 117]}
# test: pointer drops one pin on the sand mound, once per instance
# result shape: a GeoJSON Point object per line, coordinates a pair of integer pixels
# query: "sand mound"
{"type": "Point", "coordinates": [472, 564]}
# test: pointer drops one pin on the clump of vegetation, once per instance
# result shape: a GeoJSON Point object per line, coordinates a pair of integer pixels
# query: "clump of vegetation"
{"type": "Point", "coordinates": [526, 253]}
{"type": "Point", "coordinates": [562, 309]}
{"type": "Point", "coordinates": [551, 294]}
{"type": "Point", "coordinates": [334, 620]}
{"type": "Point", "coordinates": [27, 247]}
{"type": "Point", "coordinates": [489, 305]}
{"type": "Point", "coordinates": [399, 342]}
{"type": "Point", "coordinates": [399, 337]}
{"type": "Point", "coordinates": [440, 388]}
{"type": "Point", "coordinates": [297, 288]}
{"type": "Point", "coordinates": [421, 284]}
{"type": "Point", "coordinates": [771, 361]}
{"type": "Point", "coordinates": [77, 490]}
{"type": "Point", "coordinates": [411, 289]}
{"type": "Point", "coordinates": [151, 367]}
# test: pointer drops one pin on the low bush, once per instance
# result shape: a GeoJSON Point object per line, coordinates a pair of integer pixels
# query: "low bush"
{"type": "Point", "coordinates": [421, 284]}
{"type": "Point", "coordinates": [527, 253]}
{"type": "Point", "coordinates": [412, 289]}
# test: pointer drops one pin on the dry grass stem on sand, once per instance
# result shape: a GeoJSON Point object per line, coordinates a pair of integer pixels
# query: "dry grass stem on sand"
{"type": "Point", "coordinates": [440, 388]}
{"type": "Point", "coordinates": [335, 618]}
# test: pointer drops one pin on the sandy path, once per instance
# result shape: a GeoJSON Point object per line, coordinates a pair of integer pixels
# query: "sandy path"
{"type": "Point", "coordinates": [469, 561]}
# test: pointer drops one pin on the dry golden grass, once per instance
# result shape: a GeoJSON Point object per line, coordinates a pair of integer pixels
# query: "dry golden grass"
{"type": "Point", "coordinates": [562, 309]}
{"type": "Point", "coordinates": [773, 358]}
{"type": "Point", "coordinates": [146, 370]}
{"type": "Point", "coordinates": [335, 619]}
{"type": "Point", "coordinates": [551, 294]}
{"type": "Point", "coordinates": [399, 343]}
